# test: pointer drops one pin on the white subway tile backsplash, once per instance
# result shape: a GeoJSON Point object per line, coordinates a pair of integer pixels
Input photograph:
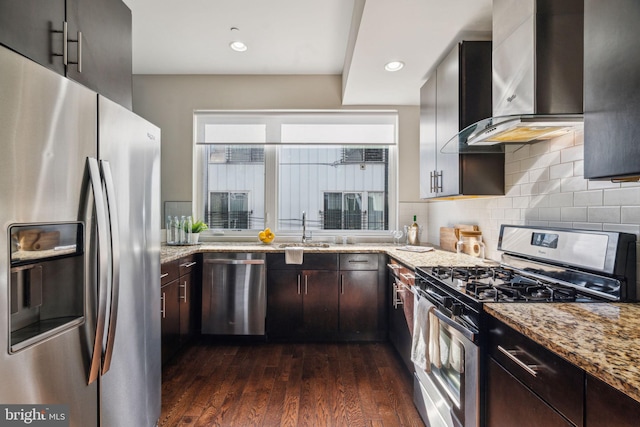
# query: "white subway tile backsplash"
{"type": "Point", "coordinates": [596, 226]}
{"type": "Point", "coordinates": [531, 214]}
{"type": "Point", "coordinates": [588, 198]}
{"type": "Point", "coordinates": [578, 168]}
{"type": "Point", "coordinates": [562, 142]}
{"type": "Point", "coordinates": [537, 175]}
{"type": "Point", "coordinates": [562, 170]}
{"type": "Point", "coordinates": [538, 223]}
{"type": "Point", "coordinates": [550, 214]}
{"type": "Point", "coordinates": [630, 215]}
{"type": "Point", "coordinates": [560, 224]}
{"type": "Point", "coordinates": [622, 196]}
{"type": "Point", "coordinates": [544, 160]}
{"type": "Point", "coordinates": [622, 228]}
{"type": "Point", "coordinates": [574, 214]}
{"type": "Point", "coordinates": [528, 189]}
{"type": "Point", "coordinates": [604, 214]}
{"type": "Point", "coordinates": [511, 167]}
{"type": "Point", "coordinates": [521, 202]}
{"type": "Point", "coordinates": [512, 214]}
{"type": "Point", "coordinates": [576, 183]}
{"type": "Point", "coordinates": [560, 200]}
{"type": "Point", "coordinates": [539, 148]}
{"type": "Point", "coordinates": [505, 202]}
{"type": "Point", "coordinates": [517, 153]}
{"type": "Point", "coordinates": [572, 154]}
{"type": "Point", "coordinates": [512, 191]}
{"type": "Point", "coordinates": [597, 185]}
{"type": "Point", "coordinates": [548, 187]}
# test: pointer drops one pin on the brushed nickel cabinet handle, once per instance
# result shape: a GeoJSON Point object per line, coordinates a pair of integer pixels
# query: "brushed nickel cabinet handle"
{"type": "Point", "coordinates": [163, 310]}
{"type": "Point", "coordinates": [163, 275]}
{"type": "Point", "coordinates": [512, 355]}
{"type": "Point", "coordinates": [184, 286]}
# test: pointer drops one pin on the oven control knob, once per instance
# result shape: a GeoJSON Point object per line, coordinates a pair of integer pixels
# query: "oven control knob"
{"type": "Point", "coordinates": [456, 309]}
{"type": "Point", "coordinates": [447, 302]}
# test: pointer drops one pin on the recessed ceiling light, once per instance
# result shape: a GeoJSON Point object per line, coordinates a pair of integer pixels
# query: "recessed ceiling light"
{"type": "Point", "coordinates": [394, 66]}
{"type": "Point", "coordinates": [238, 46]}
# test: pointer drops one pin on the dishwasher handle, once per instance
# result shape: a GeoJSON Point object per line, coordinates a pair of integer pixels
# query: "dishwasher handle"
{"type": "Point", "coordinates": [233, 261]}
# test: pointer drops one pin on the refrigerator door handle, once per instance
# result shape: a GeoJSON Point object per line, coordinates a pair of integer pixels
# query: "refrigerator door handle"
{"type": "Point", "coordinates": [115, 262]}
{"type": "Point", "coordinates": [103, 260]}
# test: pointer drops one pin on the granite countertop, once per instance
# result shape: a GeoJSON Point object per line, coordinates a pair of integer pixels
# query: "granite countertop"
{"type": "Point", "coordinates": [601, 338]}
{"type": "Point", "coordinates": [410, 259]}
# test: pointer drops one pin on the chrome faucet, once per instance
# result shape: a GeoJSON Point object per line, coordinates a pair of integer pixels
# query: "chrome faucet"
{"type": "Point", "coordinates": [304, 227]}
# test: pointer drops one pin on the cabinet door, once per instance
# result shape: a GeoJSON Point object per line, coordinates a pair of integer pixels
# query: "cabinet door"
{"type": "Point", "coordinates": [106, 47]}
{"type": "Point", "coordinates": [320, 303]}
{"type": "Point", "coordinates": [170, 320]}
{"type": "Point", "coordinates": [447, 122]}
{"type": "Point", "coordinates": [284, 303]}
{"type": "Point", "coordinates": [359, 303]}
{"type": "Point", "coordinates": [607, 407]}
{"type": "Point", "coordinates": [186, 312]}
{"type": "Point", "coordinates": [29, 27]}
{"type": "Point", "coordinates": [611, 92]}
{"type": "Point", "coordinates": [428, 137]}
{"type": "Point", "coordinates": [509, 403]}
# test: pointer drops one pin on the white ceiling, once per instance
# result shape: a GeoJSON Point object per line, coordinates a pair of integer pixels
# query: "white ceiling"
{"type": "Point", "coordinates": [307, 37]}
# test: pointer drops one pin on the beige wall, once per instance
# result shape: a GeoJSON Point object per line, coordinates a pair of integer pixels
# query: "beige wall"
{"type": "Point", "coordinates": [169, 101]}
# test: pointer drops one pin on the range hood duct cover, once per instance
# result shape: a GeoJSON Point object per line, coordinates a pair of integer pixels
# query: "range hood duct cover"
{"type": "Point", "coordinates": [538, 56]}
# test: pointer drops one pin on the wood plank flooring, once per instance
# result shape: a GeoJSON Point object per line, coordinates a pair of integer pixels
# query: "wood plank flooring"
{"type": "Point", "coordinates": [265, 384]}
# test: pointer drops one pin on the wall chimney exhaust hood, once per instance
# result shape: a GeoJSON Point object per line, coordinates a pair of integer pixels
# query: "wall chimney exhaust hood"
{"type": "Point", "coordinates": [537, 74]}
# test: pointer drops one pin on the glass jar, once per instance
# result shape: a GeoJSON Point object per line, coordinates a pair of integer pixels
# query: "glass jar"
{"type": "Point", "coordinates": [470, 242]}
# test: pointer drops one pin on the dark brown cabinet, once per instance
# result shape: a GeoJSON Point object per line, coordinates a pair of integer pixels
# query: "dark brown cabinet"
{"type": "Point", "coordinates": [510, 403]}
{"type": "Point", "coordinates": [457, 95]}
{"type": "Point", "coordinates": [611, 91]}
{"type": "Point", "coordinates": [528, 384]}
{"type": "Point", "coordinates": [302, 303]}
{"type": "Point", "coordinates": [35, 28]}
{"type": "Point", "coordinates": [607, 407]}
{"type": "Point", "coordinates": [328, 297]}
{"type": "Point", "coordinates": [169, 309]}
{"type": "Point", "coordinates": [179, 304]}
{"type": "Point", "coordinates": [362, 309]}
{"type": "Point", "coordinates": [188, 297]}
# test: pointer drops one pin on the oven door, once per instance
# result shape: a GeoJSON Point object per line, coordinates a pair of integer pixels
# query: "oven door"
{"type": "Point", "coordinates": [448, 395]}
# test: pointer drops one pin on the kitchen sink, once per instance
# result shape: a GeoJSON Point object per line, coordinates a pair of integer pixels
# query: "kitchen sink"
{"type": "Point", "coordinates": [304, 245]}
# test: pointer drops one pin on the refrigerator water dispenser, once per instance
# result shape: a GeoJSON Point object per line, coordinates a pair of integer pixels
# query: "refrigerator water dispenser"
{"type": "Point", "coordinates": [47, 281]}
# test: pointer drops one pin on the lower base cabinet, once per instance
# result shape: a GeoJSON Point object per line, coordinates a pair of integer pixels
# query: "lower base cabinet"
{"type": "Point", "coordinates": [607, 407]}
{"type": "Point", "coordinates": [330, 297]}
{"type": "Point", "coordinates": [510, 403]}
{"type": "Point", "coordinates": [559, 394]}
{"type": "Point", "coordinates": [179, 304]}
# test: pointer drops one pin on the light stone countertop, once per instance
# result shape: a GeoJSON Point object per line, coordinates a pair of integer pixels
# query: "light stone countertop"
{"type": "Point", "coordinates": [601, 338]}
{"type": "Point", "coordinates": [410, 259]}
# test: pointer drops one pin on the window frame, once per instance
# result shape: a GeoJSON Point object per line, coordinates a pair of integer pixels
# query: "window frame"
{"type": "Point", "coordinates": [271, 164]}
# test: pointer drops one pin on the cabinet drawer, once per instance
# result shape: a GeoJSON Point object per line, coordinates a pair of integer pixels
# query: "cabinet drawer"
{"type": "Point", "coordinates": [169, 271]}
{"type": "Point", "coordinates": [310, 261]}
{"type": "Point", "coordinates": [558, 382]}
{"type": "Point", "coordinates": [358, 261]}
{"type": "Point", "coordinates": [187, 264]}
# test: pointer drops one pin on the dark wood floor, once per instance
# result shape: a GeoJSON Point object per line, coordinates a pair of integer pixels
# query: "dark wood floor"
{"type": "Point", "coordinates": [287, 385]}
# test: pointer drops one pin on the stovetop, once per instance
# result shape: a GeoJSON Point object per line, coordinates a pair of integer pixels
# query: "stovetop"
{"type": "Point", "coordinates": [501, 284]}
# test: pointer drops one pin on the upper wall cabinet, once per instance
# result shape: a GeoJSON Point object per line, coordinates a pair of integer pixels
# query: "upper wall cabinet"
{"type": "Point", "coordinates": [611, 89]}
{"type": "Point", "coordinates": [98, 40]}
{"type": "Point", "coordinates": [457, 95]}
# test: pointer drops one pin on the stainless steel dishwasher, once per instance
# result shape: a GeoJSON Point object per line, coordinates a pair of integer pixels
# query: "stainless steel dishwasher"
{"type": "Point", "coordinates": [234, 298]}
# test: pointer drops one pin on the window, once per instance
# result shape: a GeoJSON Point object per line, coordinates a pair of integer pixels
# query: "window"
{"type": "Point", "coordinates": [335, 166]}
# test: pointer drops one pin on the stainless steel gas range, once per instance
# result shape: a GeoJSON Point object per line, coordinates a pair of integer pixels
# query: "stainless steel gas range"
{"type": "Point", "coordinates": [538, 265]}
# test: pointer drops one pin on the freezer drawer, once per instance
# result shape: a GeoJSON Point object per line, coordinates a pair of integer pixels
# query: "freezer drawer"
{"type": "Point", "coordinates": [233, 294]}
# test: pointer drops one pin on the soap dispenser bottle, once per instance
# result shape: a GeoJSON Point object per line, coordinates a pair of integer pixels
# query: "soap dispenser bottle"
{"type": "Point", "coordinates": [413, 234]}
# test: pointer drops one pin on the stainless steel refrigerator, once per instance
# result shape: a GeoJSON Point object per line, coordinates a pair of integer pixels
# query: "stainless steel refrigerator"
{"type": "Point", "coordinates": [79, 251]}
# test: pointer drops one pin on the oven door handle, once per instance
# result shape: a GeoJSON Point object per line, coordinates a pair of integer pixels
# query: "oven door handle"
{"type": "Point", "coordinates": [468, 334]}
